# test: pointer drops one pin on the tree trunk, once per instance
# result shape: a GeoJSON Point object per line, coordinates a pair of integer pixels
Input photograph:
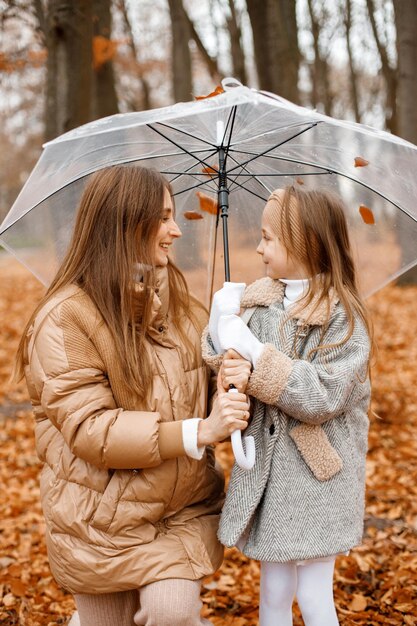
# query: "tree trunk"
{"type": "Point", "coordinates": [321, 93]}
{"type": "Point", "coordinates": [277, 54]}
{"type": "Point", "coordinates": [146, 92]}
{"type": "Point", "coordinates": [181, 57]}
{"type": "Point", "coordinates": [353, 75]}
{"type": "Point", "coordinates": [104, 92]}
{"type": "Point", "coordinates": [69, 68]}
{"type": "Point", "coordinates": [238, 56]}
{"type": "Point", "coordinates": [388, 72]}
{"type": "Point", "coordinates": [406, 25]}
{"type": "Point", "coordinates": [258, 16]}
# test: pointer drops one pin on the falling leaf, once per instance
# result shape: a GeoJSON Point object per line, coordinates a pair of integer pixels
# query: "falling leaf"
{"type": "Point", "coordinates": [367, 214]}
{"type": "Point", "coordinates": [192, 215]}
{"type": "Point", "coordinates": [361, 162]}
{"type": "Point", "coordinates": [218, 90]}
{"type": "Point", "coordinates": [207, 204]}
{"type": "Point", "coordinates": [210, 171]}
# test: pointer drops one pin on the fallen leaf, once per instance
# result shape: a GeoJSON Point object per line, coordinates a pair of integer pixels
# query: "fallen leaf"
{"type": "Point", "coordinates": [358, 603]}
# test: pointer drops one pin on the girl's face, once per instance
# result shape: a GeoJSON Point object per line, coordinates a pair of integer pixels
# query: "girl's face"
{"type": "Point", "coordinates": [274, 254]}
{"type": "Point", "coordinates": [168, 231]}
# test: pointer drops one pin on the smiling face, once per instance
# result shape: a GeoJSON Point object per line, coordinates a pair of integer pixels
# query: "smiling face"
{"type": "Point", "coordinates": [278, 263]}
{"type": "Point", "coordinates": [167, 232]}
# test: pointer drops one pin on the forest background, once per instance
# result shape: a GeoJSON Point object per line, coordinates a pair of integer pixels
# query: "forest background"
{"type": "Point", "coordinates": [64, 63]}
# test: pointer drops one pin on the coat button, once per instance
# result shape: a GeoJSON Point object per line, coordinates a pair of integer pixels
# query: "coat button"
{"type": "Point", "coordinates": [271, 429]}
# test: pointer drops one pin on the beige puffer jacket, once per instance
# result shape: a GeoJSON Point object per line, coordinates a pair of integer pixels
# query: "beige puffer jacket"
{"type": "Point", "coordinates": [124, 505]}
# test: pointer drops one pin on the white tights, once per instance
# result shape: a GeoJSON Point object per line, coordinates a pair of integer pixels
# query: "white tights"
{"type": "Point", "coordinates": [312, 585]}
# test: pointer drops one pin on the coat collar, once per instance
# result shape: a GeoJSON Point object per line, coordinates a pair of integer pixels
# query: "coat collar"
{"type": "Point", "coordinates": [266, 291]}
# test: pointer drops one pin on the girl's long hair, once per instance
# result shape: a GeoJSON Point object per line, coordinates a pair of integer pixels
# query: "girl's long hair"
{"type": "Point", "coordinates": [313, 229]}
{"type": "Point", "coordinates": [117, 221]}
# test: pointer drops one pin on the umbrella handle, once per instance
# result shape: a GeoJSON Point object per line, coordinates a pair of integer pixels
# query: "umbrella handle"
{"type": "Point", "coordinates": [245, 460]}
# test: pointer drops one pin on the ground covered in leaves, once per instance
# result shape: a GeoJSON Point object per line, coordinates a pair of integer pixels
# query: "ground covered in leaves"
{"type": "Point", "coordinates": [375, 584]}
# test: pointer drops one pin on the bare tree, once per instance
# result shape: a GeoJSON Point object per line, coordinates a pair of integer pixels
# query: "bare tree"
{"type": "Point", "coordinates": [406, 26]}
{"type": "Point", "coordinates": [388, 72]}
{"type": "Point", "coordinates": [181, 57]}
{"type": "Point", "coordinates": [353, 73]}
{"type": "Point", "coordinates": [69, 32]}
{"type": "Point", "coordinates": [321, 91]}
{"type": "Point", "coordinates": [236, 48]}
{"type": "Point", "coordinates": [104, 101]}
{"type": "Point", "coordinates": [275, 39]}
{"type": "Point", "coordinates": [146, 97]}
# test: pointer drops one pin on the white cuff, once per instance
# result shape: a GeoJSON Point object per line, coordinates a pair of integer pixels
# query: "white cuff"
{"type": "Point", "coordinates": [189, 438]}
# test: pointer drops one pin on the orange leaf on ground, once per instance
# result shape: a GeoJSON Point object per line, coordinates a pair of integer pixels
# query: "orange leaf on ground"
{"type": "Point", "coordinates": [375, 585]}
{"type": "Point", "coordinates": [366, 214]}
{"type": "Point", "coordinates": [207, 204]}
{"type": "Point", "coordinates": [358, 603]}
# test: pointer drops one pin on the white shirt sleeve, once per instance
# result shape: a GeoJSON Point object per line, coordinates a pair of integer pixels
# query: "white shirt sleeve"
{"type": "Point", "coordinates": [189, 438]}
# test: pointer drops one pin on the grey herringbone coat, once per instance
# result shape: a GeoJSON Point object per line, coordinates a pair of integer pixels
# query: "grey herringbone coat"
{"type": "Point", "coordinates": [304, 498]}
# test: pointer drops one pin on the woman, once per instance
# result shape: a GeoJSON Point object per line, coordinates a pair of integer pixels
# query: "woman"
{"type": "Point", "coordinates": [112, 361]}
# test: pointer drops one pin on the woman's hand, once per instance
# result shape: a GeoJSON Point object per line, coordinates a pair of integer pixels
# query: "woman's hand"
{"type": "Point", "coordinates": [235, 370]}
{"type": "Point", "coordinates": [230, 412]}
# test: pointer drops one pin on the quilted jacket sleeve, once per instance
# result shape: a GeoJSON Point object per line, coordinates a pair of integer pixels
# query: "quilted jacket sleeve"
{"type": "Point", "coordinates": [80, 404]}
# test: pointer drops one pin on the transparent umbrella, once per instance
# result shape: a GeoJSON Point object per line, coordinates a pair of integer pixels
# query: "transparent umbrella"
{"type": "Point", "coordinates": [223, 156]}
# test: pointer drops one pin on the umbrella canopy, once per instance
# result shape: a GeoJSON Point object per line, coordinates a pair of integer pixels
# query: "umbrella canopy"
{"type": "Point", "coordinates": [230, 150]}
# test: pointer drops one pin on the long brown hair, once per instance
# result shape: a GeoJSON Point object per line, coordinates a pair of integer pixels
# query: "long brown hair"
{"type": "Point", "coordinates": [313, 228]}
{"type": "Point", "coordinates": [116, 224]}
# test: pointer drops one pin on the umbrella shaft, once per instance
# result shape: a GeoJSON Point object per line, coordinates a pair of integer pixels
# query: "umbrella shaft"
{"type": "Point", "coordinates": [226, 248]}
{"type": "Point", "coordinates": [223, 203]}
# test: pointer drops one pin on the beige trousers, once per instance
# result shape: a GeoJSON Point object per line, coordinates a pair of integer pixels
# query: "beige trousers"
{"type": "Point", "coordinates": [171, 602]}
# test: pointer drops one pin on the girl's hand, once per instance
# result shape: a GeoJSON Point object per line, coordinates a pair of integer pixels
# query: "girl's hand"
{"type": "Point", "coordinates": [230, 412]}
{"type": "Point", "coordinates": [235, 370]}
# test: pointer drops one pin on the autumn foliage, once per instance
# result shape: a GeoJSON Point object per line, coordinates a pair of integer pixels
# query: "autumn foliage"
{"type": "Point", "coordinates": [375, 584]}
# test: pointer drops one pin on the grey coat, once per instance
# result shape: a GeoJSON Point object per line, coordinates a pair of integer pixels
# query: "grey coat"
{"type": "Point", "coordinates": [304, 498]}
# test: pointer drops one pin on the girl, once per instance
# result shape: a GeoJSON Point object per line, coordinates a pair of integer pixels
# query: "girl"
{"type": "Point", "coordinates": [112, 361]}
{"type": "Point", "coordinates": [308, 341]}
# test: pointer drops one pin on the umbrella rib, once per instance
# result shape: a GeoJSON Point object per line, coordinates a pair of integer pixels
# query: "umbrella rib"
{"type": "Point", "coordinates": [329, 170]}
{"type": "Point", "coordinates": [174, 143]}
{"type": "Point", "coordinates": [178, 193]}
{"type": "Point", "coordinates": [278, 129]}
{"type": "Point", "coordinates": [184, 132]}
{"type": "Point", "coordinates": [249, 174]}
{"type": "Point", "coordinates": [186, 172]}
{"type": "Point", "coordinates": [265, 153]}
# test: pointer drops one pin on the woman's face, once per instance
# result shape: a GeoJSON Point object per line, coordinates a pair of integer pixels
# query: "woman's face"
{"type": "Point", "coordinates": [168, 231]}
{"type": "Point", "coordinates": [274, 254]}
